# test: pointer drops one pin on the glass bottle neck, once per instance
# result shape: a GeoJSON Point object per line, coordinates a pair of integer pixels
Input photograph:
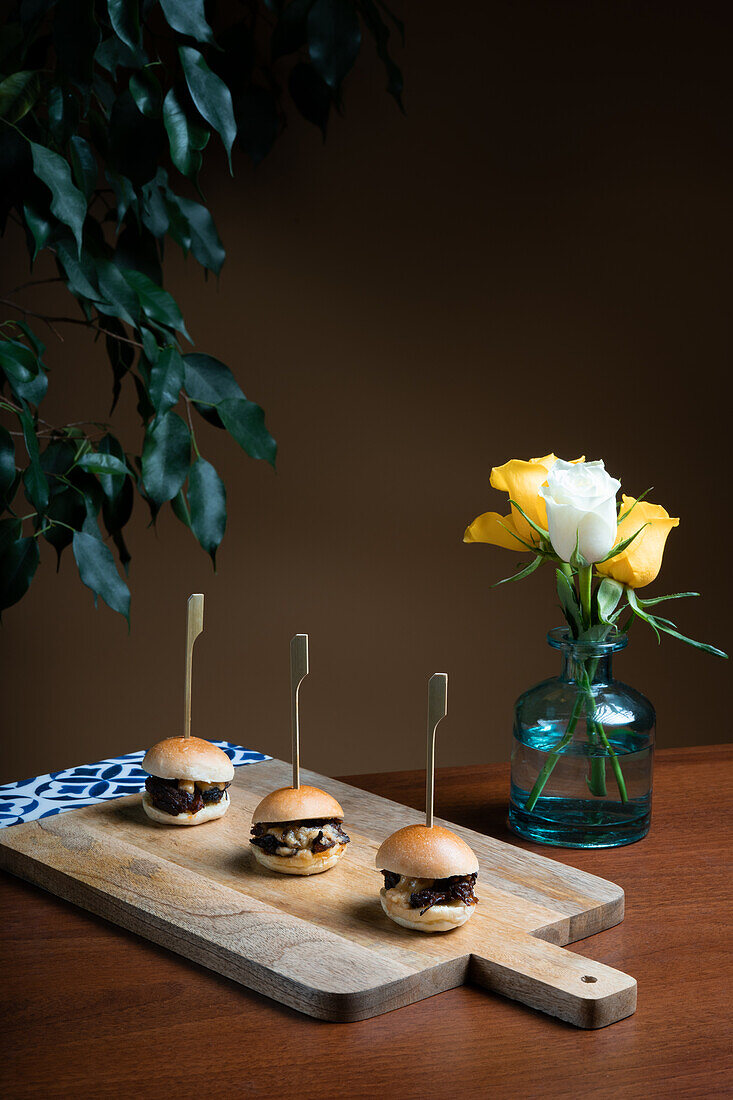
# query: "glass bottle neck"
{"type": "Point", "coordinates": [575, 668]}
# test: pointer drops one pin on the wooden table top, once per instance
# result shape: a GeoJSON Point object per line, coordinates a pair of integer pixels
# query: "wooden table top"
{"type": "Point", "coordinates": [91, 1010]}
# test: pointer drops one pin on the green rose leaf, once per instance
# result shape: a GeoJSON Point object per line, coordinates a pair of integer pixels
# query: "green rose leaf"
{"type": "Point", "coordinates": [67, 202]}
{"type": "Point", "coordinates": [97, 571]}
{"type": "Point", "coordinates": [166, 380]}
{"type": "Point", "coordinates": [210, 94]}
{"type": "Point", "coordinates": [334, 38]}
{"type": "Point", "coordinates": [18, 563]}
{"type": "Point", "coordinates": [569, 603]}
{"type": "Point", "coordinates": [245, 421]}
{"type": "Point", "coordinates": [157, 304]}
{"type": "Point", "coordinates": [7, 460]}
{"type": "Point", "coordinates": [208, 503]}
{"type": "Point", "coordinates": [607, 597]}
{"type": "Point", "coordinates": [166, 456]}
{"type": "Point", "coordinates": [18, 94]}
{"type": "Point", "coordinates": [188, 17]}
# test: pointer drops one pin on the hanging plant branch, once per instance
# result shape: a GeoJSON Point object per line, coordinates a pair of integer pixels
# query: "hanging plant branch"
{"type": "Point", "coordinates": [107, 108]}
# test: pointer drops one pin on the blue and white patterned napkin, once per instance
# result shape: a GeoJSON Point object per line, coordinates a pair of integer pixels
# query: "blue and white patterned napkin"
{"type": "Point", "coordinates": [50, 794]}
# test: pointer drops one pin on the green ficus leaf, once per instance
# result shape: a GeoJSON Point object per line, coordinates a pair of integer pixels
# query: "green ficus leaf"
{"type": "Point", "coordinates": [208, 380]}
{"type": "Point", "coordinates": [23, 371]}
{"type": "Point", "coordinates": [186, 139]}
{"type": "Point", "coordinates": [96, 463]}
{"type": "Point", "coordinates": [181, 511]}
{"type": "Point", "coordinates": [334, 38]}
{"type": "Point", "coordinates": [65, 514]}
{"type": "Point", "coordinates": [10, 531]}
{"type": "Point", "coordinates": [18, 564]}
{"type": "Point", "coordinates": [157, 304]}
{"type": "Point", "coordinates": [97, 571]}
{"type": "Point", "coordinates": [67, 202]}
{"type": "Point", "coordinates": [207, 499]}
{"type": "Point", "coordinates": [166, 380]}
{"type": "Point", "coordinates": [83, 164]}
{"type": "Point", "coordinates": [210, 94]}
{"type": "Point", "coordinates": [120, 298]}
{"type": "Point", "coordinates": [19, 92]}
{"type": "Point", "coordinates": [7, 461]}
{"type": "Point", "coordinates": [34, 479]}
{"type": "Point", "coordinates": [188, 17]}
{"type": "Point", "coordinates": [166, 457]}
{"type": "Point", "coordinates": [311, 95]}
{"type": "Point", "coordinates": [40, 226]}
{"type": "Point", "coordinates": [203, 239]}
{"type": "Point", "coordinates": [145, 90]}
{"type": "Point", "coordinates": [245, 421]}
{"type": "Point", "coordinates": [125, 19]}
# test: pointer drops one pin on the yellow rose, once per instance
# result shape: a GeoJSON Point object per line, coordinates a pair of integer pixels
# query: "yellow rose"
{"type": "Point", "coordinates": [639, 564]}
{"type": "Point", "coordinates": [522, 481]}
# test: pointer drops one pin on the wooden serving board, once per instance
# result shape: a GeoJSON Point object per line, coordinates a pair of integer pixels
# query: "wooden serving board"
{"type": "Point", "coordinates": [322, 944]}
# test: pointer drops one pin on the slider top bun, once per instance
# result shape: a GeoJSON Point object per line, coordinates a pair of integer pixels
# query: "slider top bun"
{"type": "Point", "coordinates": [418, 851]}
{"type": "Point", "coordinates": [188, 758]}
{"type": "Point", "coordinates": [296, 804]}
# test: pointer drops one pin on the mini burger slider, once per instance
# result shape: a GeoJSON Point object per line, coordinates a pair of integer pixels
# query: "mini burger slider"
{"type": "Point", "coordinates": [429, 876]}
{"type": "Point", "coordinates": [187, 781]}
{"type": "Point", "coordinates": [297, 831]}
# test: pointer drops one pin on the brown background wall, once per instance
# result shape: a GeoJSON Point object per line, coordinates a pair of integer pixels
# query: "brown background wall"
{"type": "Point", "coordinates": [536, 258]}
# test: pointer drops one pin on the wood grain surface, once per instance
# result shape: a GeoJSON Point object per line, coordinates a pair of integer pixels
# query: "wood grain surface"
{"type": "Point", "coordinates": [91, 1010]}
{"type": "Point", "coordinates": [322, 944]}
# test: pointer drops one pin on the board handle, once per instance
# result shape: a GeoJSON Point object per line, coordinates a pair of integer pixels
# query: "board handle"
{"type": "Point", "coordinates": [549, 978]}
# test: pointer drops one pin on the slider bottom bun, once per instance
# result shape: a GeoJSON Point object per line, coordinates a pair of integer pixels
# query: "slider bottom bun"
{"type": "Point", "coordinates": [440, 918]}
{"type": "Point", "coordinates": [208, 813]}
{"type": "Point", "coordinates": [305, 863]}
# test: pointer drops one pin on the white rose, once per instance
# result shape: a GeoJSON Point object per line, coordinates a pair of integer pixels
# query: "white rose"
{"type": "Point", "coordinates": [581, 509]}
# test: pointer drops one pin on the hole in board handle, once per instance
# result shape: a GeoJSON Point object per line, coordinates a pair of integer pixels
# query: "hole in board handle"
{"type": "Point", "coordinates": [588, 978]}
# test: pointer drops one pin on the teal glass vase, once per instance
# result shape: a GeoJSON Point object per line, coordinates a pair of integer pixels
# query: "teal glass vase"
{"type": "Point", "coordinates": [583, 753]}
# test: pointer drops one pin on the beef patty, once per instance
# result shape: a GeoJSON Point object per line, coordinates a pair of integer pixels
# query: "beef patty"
{"type": "Point", "coordinates": [316, 834]}
{"type": "Point", "coordinates": [443, 890]}
{"type": "Point", "coordinates": [167, 797]}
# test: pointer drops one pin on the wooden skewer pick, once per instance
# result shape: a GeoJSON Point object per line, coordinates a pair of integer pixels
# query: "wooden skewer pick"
{"type": "Point", "coordinates": [437, 710]}
{"type": "Point", "coordinates": [194, 626]}
{"type": "Point", "coordinates": [298, 672]}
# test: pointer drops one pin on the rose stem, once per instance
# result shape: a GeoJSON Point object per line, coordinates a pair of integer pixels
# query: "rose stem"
{"type": "Point", "coordinates": [553, 758]}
